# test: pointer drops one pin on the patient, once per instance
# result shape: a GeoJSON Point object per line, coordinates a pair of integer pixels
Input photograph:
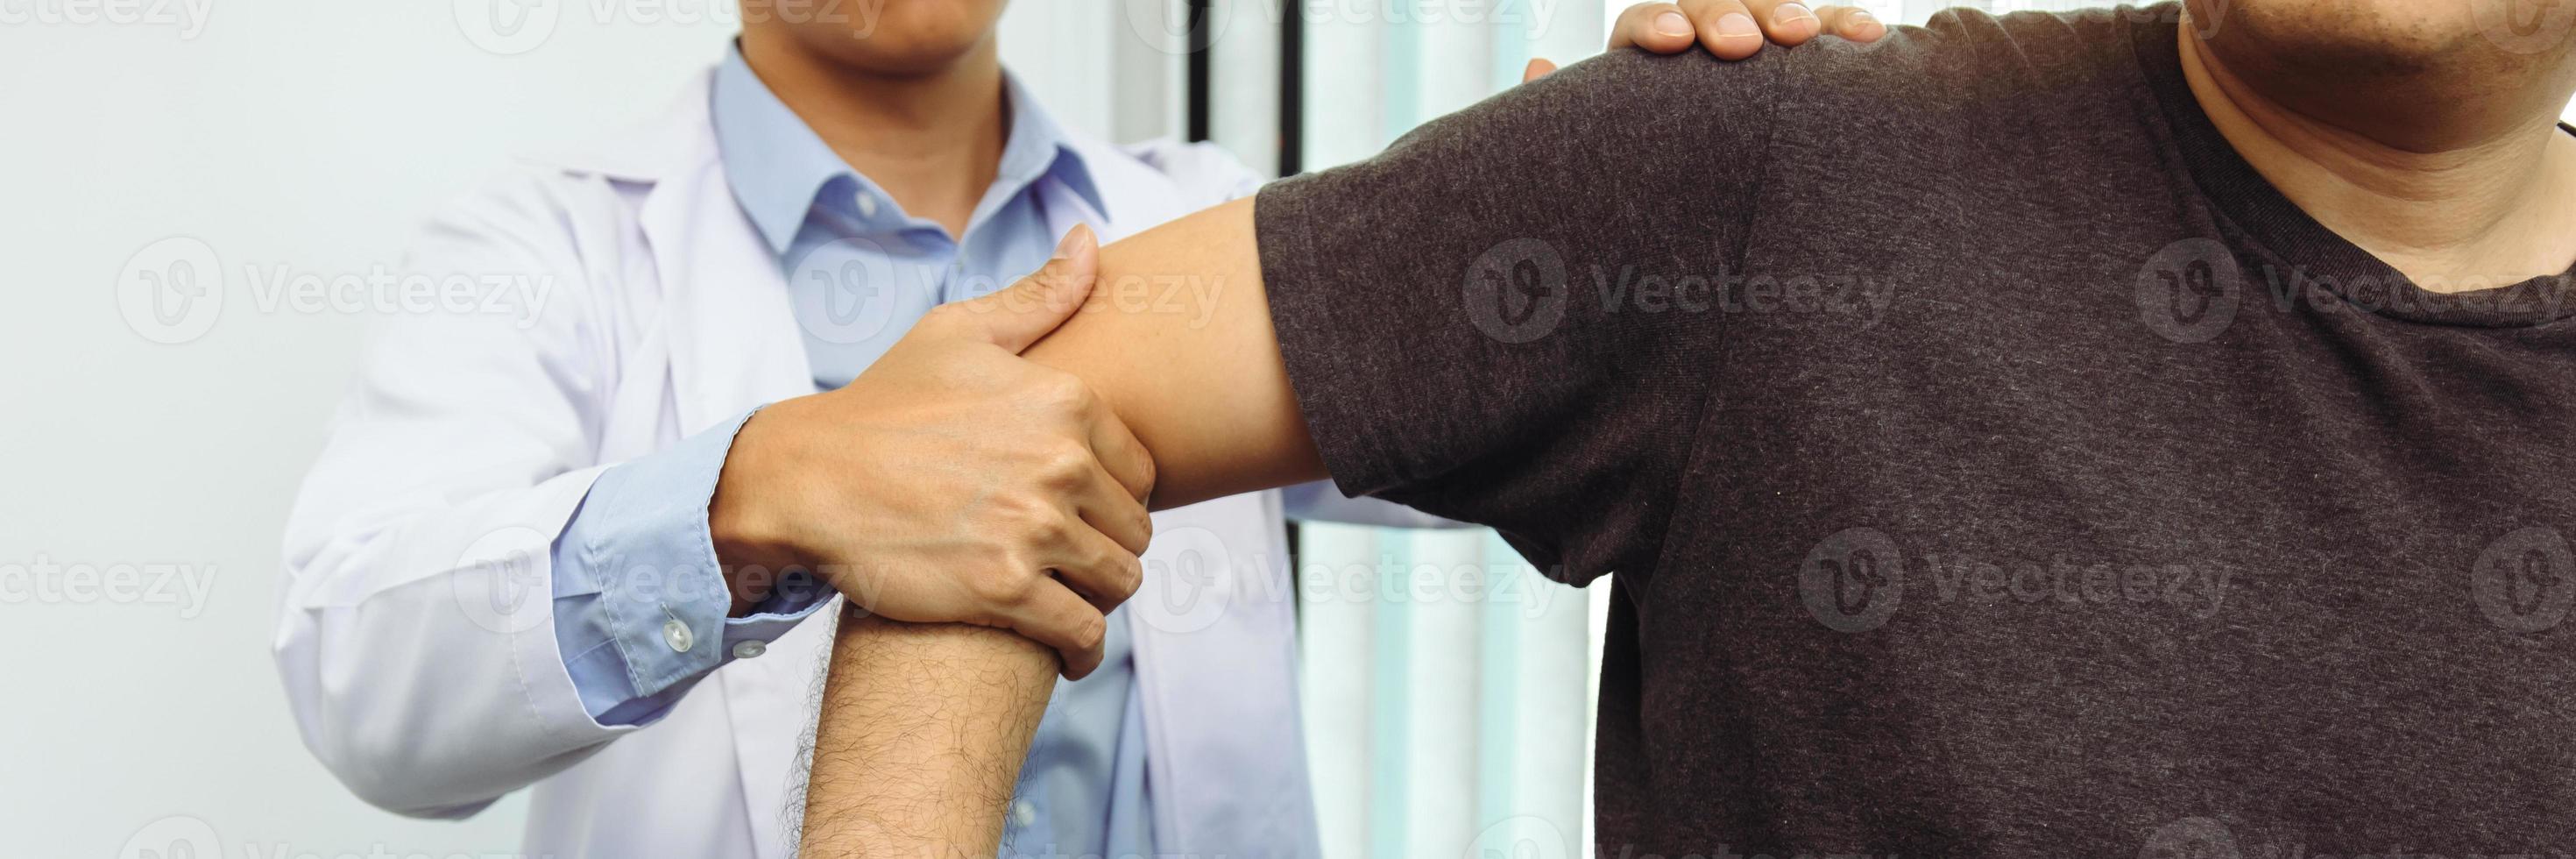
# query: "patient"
{"type": "Point", "coordinates": [2110, 433]}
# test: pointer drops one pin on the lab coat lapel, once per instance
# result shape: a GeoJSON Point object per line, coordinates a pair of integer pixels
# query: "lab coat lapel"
{"type": "Point", "coordinates": [733, 345]}
{"type": "Point", "coordinates": [734, 341]}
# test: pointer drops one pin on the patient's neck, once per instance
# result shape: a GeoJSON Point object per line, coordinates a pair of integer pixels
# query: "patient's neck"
{"type": "Point", "coordinates": [933, 141]}
{"type": "Point", "coordinates": [2470, 189]}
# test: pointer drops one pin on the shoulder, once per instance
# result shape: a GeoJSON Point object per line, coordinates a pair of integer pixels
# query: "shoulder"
{"type": "Point", "coordinates": [534, 213]}
{"type": "Point", "coordinates": [582, 205]}
{"type": "Point", "coordinates": [1965, 57]}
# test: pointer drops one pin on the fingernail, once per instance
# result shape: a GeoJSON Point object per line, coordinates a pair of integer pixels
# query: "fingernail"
{"type": "Point", "coordinates": [1072, 239]}
{"type": "Point", "coordinates": [1737, 25]}
{"type": "Point", "coordinates": [1672, 24]}
{"type": "Point", "coordinates": [1866, 25]}
{"type": "Point", "coordinates": [1790, 13]}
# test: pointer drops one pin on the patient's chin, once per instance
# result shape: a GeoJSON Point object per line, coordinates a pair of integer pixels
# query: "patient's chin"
{"type": "Point", "coordinates": [2365, 42]}
{"type": "Point", "coordinates": [2400, 66]}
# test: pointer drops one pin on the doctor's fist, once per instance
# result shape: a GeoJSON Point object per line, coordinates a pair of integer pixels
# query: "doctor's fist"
{"type": "Point", "coordinates": [952, 481]}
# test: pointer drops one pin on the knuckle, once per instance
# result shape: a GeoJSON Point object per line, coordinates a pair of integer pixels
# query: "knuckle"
{"type": "Point", "coordinates": [1011, 585]}
{"type": "Point", "coordinates": [1068, 464]}
{"type": "Point", "coordinates": [1050, 530]}
{"type": "Point", "coordinates": [942, 316]}
{"type": "Point", "coordinates": [1147, 471]}
{"type": "Point", "coordinates": [1063, 392]}
{"type": "Point", "coordinates": [1133, 569]}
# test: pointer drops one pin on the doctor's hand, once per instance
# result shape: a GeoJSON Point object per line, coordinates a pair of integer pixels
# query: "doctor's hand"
{"type": "Point", "coordinates": [1730, 29]}
{"type": "Point", "coordinates": [952, 481]}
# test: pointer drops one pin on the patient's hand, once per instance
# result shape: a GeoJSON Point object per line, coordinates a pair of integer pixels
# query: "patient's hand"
{"type": "Point", "coordinates": [1730, 29]}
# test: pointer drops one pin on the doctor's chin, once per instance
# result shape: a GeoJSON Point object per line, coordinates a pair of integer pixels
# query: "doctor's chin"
{"type": "Point", "coordinates": [1269, 429]}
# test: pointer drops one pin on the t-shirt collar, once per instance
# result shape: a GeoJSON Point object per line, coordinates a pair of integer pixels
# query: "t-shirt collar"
{"type": "Point", "coordinates": [779, 168]}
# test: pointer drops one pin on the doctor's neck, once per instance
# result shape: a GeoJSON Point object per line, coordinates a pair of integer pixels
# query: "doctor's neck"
{"type": "Point", "coordinates": [931, 135]}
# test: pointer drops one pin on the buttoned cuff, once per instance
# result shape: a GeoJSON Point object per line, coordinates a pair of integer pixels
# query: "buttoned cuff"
{"type": "Point", "coordinates": [639, 602]}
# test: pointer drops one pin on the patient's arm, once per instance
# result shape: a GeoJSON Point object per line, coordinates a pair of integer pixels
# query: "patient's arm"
{"type": "Point", "coordinates": [920, 738]}
{"type": "Point", "coordinates": [1202, 386]}
{"type": "Point", "coordinates": [1384, 278]}
{"type": "Point", "coordinates": [923, 727]}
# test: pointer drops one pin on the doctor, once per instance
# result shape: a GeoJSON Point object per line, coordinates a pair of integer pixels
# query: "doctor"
{"type": "Point", "coordinates": [526, 543]}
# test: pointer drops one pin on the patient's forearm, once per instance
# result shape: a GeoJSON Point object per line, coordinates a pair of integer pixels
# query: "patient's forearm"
{"type": "Point", "coordinates": [1198, 379]}
{"type": "Point", "coordinates": [920, 739]}
{"type": "Point", "coordinates": [923, 727]}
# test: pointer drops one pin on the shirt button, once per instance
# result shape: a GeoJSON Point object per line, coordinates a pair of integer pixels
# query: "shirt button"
{"type": "Point", "coordinates": [867, 205]}
{"type": "Point", "coordinates": [1023, 813]}
{"type": "Point", "coordinates": [749, 649]}
{"type": "Point", "coordinates": [678, 636]}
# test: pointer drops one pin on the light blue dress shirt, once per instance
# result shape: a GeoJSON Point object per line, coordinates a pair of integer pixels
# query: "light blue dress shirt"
{"type": "Point", "coordinates": [860, 272]}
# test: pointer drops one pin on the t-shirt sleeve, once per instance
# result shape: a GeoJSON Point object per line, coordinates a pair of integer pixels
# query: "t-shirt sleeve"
{"type": "Point", "coordinates": [1506, 317]}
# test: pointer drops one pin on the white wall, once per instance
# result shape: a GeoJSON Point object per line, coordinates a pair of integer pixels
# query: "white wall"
{"type": "Point", "coordinates": [304, 136]}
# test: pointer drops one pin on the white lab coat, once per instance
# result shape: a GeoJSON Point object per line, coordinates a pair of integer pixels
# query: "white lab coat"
{"type": "Point", "coordinates": [415, 635]}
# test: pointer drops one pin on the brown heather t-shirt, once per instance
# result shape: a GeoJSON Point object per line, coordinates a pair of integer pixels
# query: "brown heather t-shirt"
{"type": "Point", "coordinates": [1991, 462]}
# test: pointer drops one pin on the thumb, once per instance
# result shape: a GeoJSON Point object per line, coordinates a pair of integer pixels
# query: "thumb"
{"type": "Point", "coordinates": [1538, 67]}
{"type": "Point", "coordinates": [1025, 312]}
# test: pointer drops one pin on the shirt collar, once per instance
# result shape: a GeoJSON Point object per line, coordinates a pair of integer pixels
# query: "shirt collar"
{"type": "Point", "coordinates": [778, 167]}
